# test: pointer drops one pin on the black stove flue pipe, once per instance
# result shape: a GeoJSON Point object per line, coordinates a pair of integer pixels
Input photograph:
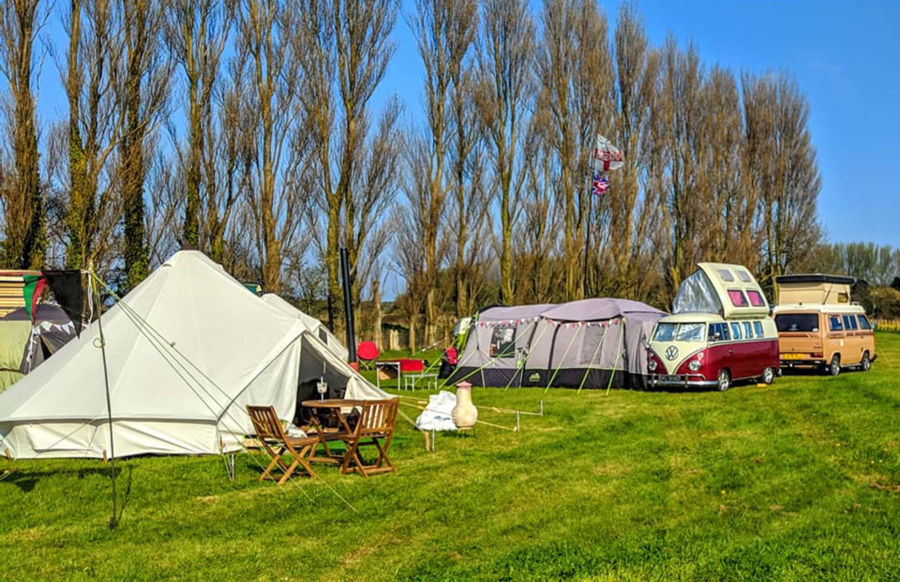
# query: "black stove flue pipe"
{"type": "Point", "coordinates": [348, 305]}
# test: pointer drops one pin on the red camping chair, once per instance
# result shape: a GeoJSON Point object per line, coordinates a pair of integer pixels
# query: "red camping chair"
{"type": "Point", "coordinates": [367, 352]}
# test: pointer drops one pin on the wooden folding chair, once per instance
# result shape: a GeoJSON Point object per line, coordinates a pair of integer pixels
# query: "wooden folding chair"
{"type": "Point", "coordinates": [273, 438]}
{"type": "Point", "coordinates": [375, 428]}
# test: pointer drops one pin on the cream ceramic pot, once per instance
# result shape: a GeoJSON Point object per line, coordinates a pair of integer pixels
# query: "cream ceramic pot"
{"type": "Point", "coordinates": [464, 413]}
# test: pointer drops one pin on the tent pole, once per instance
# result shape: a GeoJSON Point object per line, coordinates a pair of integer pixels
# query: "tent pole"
{"type": "Point", "coordinates": [113, 521]}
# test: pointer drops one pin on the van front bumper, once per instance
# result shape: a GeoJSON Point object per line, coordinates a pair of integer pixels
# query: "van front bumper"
{"type": "Point", "coordinates": [810, 363]}
{"type": "Point", "coordinates": [680, 381]}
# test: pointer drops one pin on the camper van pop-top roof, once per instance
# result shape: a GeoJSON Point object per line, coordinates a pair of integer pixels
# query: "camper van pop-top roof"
{"type": "Point", "coordinates": [813, 289]}
{"type": "Point", "coordinates": [729, 290]}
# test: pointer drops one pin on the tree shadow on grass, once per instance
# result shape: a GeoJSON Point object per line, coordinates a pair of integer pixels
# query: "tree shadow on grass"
{"type": "Point", "coordinates": [26, 480]}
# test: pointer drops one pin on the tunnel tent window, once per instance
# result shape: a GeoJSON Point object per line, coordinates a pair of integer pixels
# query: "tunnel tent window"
{"type": "Point", "coordinates": [503, 342]}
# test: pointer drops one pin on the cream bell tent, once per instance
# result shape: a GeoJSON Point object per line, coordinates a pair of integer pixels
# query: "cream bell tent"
{"type": "Point", "coordinates": [186, 351]}
{"type": "Point", "coordinates": [312, 324]}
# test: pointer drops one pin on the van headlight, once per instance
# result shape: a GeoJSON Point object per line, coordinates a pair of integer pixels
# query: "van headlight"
{"type": "Point", "coordinates": [694, 365]}
{"type": "Point", "coordinates": [651, 365]}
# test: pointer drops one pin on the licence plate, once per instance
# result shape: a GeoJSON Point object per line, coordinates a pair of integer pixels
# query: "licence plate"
{"type": "Point", "coordinates": [794, 356]}
{"type": "Point", "coordinates": [671, 379]}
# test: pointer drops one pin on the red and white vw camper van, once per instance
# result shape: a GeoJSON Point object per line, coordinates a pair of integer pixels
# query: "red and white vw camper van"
{"type": "Point", "coordinates": [720, 332]}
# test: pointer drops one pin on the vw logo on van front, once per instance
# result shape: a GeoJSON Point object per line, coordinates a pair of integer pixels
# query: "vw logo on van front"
{"type": "Point", "coordinates": [671, 353]}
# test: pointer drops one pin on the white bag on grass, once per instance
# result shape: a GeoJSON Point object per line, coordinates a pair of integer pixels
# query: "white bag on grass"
{"type": "Point", "coordinates": [436, 415]}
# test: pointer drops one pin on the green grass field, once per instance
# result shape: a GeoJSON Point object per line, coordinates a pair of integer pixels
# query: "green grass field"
{"type": "Point", "coordinates": [798, 480]}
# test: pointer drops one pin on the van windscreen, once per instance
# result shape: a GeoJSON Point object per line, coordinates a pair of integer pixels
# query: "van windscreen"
{"type": "Point", "coordinates": [797, 321]}
{"type": "Point", "coordinates": [681, 332]}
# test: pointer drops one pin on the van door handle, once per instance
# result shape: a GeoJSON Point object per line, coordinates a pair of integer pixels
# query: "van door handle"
{"type": "Point", "coordinates": [730, 351]}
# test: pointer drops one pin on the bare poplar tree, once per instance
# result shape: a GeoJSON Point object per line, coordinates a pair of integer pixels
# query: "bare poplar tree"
{"type": "Point", "coordinates": [373, 185]}
{"type": "Point", "coordinates": [728, 233]}
{"type": "Point", "coordinates": [504, 62]}
{"type": "Point", "coordinates": [228, 156]}
{"type": "Point", "coordinates": [631, 208]}
{"type": "Point", "coordinates": [435, 25]}
{"type": "Point", "coordinates": [539, 274]}
{"type": "Point", "coordinates": [163, 191]}
{"type": "Point", "coordinates": [196, 33]}
{"type": "Point", "coordinates": [464, 150]}
{"type": "Point", "coordinates": [682, 86]}
{"type": "Point", "coordinates": [266, 32]}
{"type": "Point", "coordinates": [575, 102]}
{"type": "Point", "coordinates": [20, 189]}
{"type": "Point", "coordinates": [94, 129]}
{"type": "Point", "coordinates": [344, 48]}
{"type": "Point", "coordinates": [781, 164]}
{"type": "Point", "coordinates": [142, 92]}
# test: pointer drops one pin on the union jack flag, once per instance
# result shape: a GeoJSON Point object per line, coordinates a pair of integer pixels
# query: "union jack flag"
{"type": "Point", "coordinates": [599, 184]}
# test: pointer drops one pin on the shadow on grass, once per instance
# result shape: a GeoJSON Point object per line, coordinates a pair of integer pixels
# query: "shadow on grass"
{"type": "Point", "coordinates": [27, 480]}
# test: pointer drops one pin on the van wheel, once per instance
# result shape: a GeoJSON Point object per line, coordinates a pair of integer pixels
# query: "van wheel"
{"type": "Point", "coordinates": [866, 364]}
{"type": "Point", "coordinates": [834, 368]}
{"type": "Point", "coordinates": [768, 376]}
{"type": "Point", "coordinates": [724, 380]}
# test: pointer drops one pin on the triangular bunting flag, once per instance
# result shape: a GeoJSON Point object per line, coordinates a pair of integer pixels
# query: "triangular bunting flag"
{"type": "Point", "coordinates": [32, 290]}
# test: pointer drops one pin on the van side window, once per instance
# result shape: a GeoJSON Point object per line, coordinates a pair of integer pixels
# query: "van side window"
{"type": "Point", "coordinates": [864, 323]}
{"type": "Point", "coordinates": [756, 298]}
{"type": "Point", "coordinates": [738, 299]}
{"type": "Point", "coordinates": [718, 332]}
{"type": "Point", "coordinates": [726, 275]}
{"type": "Point", "coordinates": [849, 322]}
{"type": "Point", "coordinates": [748, 330]}
{"type": "Point", "coordinates": [834, 323]}
{"type": "Point", "coordinates": [744, 276]}
{"type": "Point", "coordinates": [735, 330]}
{"type": "Point", "coordinates": [757, 325]}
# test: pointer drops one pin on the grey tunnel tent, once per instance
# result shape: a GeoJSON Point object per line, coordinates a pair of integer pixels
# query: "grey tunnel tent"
{"type": "Point", "coordinates": [592, 343]}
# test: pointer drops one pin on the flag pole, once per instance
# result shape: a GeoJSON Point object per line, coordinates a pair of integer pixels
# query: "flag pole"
{"type": "Point", "coordinates": [114, 520]}
{"type": "Point", "coordinates": [587, 227]}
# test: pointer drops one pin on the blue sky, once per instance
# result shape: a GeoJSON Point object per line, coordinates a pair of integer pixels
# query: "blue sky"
{"type": "Point", "coordinates": [845, 57]}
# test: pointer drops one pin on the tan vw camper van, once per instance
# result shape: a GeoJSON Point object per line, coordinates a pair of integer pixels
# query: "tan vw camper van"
{"type": "Point", "coordinates": [818, 325]}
